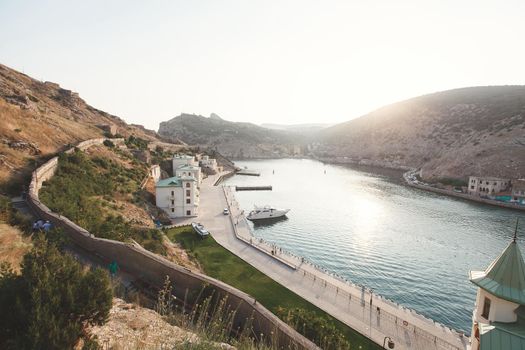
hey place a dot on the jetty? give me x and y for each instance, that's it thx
(253, 188)
(248, 172)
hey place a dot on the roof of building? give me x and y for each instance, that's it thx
(489, 178)
(505, 277)
(502, 336)
(187, 167)
(169, 182)
(182, 156)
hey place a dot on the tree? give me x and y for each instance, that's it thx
(50, 304)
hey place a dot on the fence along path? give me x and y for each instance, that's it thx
(361, 309)
(153, 268)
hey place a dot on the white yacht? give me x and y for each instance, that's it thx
(266, 212)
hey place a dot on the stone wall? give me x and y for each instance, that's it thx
(153, 268)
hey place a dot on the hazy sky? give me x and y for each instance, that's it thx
(262, 61)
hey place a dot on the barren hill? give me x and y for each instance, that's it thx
(236, 140)
(450, 134)
(39, 118)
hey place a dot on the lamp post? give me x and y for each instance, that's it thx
(391, 343)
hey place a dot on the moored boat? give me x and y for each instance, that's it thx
(266, 212)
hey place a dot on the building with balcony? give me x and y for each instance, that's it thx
(178, 196)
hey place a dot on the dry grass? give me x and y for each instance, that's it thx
(13, 245)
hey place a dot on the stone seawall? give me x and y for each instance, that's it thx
(153, 268)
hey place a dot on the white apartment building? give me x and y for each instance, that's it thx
(189, 170)
(486, 186)
(178, 196)
(183, 159)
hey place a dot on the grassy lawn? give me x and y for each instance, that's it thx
(219, 263)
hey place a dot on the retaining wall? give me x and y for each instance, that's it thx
(153, 268)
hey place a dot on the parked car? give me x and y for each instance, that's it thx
(226, 211)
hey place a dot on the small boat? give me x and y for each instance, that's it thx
(266, 212)
(199, 229)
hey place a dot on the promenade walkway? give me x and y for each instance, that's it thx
(367, 313)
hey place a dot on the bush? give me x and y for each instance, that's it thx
(49, 305)
(108, 143)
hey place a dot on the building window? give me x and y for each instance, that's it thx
(471, 187)
(172, 210)
(172, 202)
(188, 192)
(486, 308)
(188, 201)
(172, 193)
(188, 212)
(188, 184)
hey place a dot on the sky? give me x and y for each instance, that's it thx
(287, 62)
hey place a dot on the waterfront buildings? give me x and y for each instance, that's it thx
(178, 196)
(487, 186)
(499, 314)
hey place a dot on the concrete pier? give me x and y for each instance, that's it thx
(368, 313)
(247, 172)
(253, 188)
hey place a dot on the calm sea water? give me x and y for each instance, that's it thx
(411, 246)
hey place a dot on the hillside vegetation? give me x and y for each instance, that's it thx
(90, 190)
(41, 118)
(450, 134)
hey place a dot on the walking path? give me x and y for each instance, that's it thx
(367, 313)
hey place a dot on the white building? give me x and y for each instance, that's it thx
(498, 320)
(189, 170)
(154, 172)
(486, 186)
(183, 159)
(209, 163)
(178, 196)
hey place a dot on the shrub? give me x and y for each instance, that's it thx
(49, 305)
(108, 143)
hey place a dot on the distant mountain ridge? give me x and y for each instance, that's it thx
(232, 139)
(450, 134)
(454, 133)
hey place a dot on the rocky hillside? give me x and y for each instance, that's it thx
(235, 140)
(40, 118)
(450, 134)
